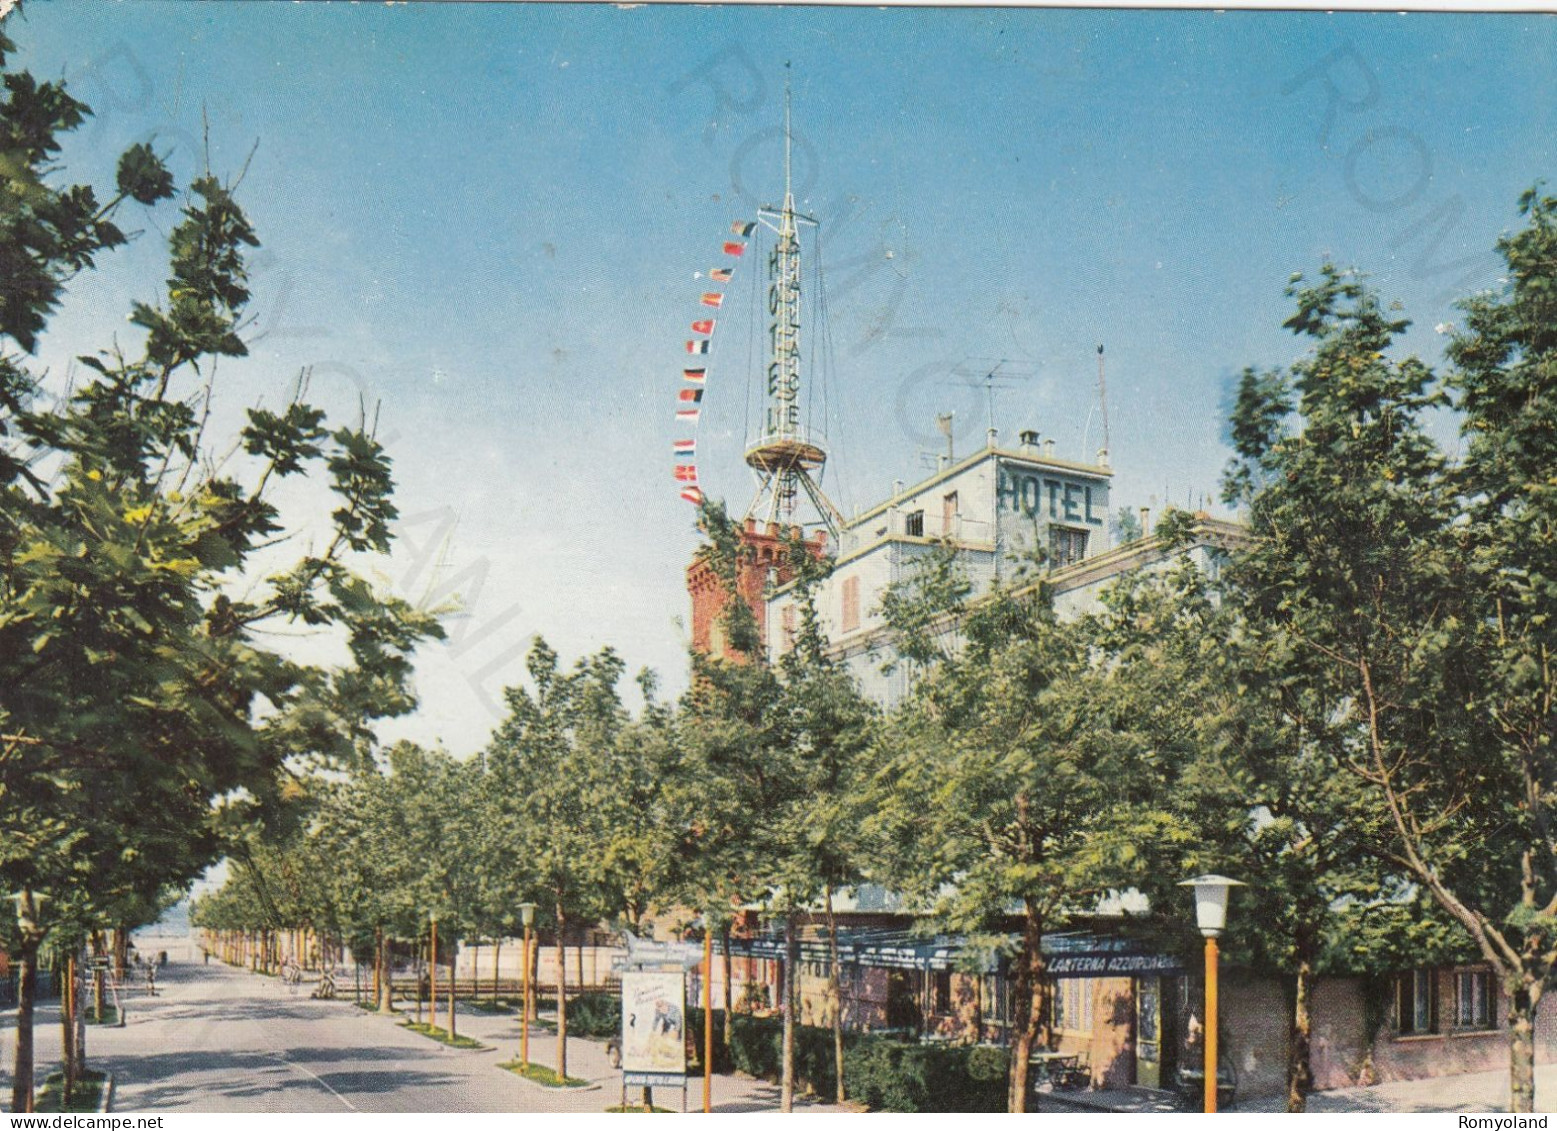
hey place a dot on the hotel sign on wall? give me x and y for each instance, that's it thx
(1044, 495)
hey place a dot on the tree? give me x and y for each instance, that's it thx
(1400, 582)
(1260, 777)
(768, 783)
(1012, 781)
(729, 779)
(818, 846)
(1505, 892)
(137, 692)
(550, 763)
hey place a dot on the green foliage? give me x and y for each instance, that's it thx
(457, 1041)
(1125, 526)
(1026, 776)
(86, 1096)
(594, 1015)
(883, 1073)
(1413, 599)
(926, 608)
(542, 1075)
(147, 718)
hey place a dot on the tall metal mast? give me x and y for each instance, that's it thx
(785, 458)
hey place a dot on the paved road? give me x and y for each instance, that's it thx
(218, 1039)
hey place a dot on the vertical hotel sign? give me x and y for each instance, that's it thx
(654, 1042)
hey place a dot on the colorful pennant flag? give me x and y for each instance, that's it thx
(691, 396)
(743, 227)
(720, 274)
(688, 413)
(731, 247)
(703, 326)
(685, 449)
(697, 347)
(693, 495)
(686, 473)
(695, 376)
(714, 298)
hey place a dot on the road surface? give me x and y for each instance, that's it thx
(219, 1039)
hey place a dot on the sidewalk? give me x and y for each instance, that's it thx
(587, 1060)
(1472, 1092)
(219, 1039)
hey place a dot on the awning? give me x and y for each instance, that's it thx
(1073, 954)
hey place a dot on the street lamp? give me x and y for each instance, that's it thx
(1211, 894)
(527, 917)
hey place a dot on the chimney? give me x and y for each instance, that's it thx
(1146, 521)
(993, 433)
(1048, 449)
(1029, 441)
(1102, 457)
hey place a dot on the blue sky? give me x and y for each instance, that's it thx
(490, 219)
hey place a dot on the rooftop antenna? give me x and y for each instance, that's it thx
(1102, 396)
(994, 378)
(943, 421)
(785, 457)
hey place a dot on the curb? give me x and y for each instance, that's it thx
(406, 1025)
(564, 1090)
(106, 1103)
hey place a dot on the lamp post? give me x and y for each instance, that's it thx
(28, 904)
(1211, 894)
(527, 917)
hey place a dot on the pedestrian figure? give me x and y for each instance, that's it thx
(151, 979)
(326, 990)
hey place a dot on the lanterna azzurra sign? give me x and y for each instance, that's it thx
(1047, 496)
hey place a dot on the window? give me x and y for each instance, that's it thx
(788, 625)
(995, 999)
(1473, 998)
(1066, 546)
(943, 998)
(1416, 1003)
(1072, 1004)
(949, 514)
(913, 524)
(851, 604)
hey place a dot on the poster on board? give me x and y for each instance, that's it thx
(654, 1027)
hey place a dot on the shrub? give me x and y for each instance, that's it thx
(594, 1015)
(722, 1058)
(883, 1073)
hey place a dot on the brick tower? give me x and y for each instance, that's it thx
(763, 563)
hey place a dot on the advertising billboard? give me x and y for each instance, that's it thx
(654, 1041)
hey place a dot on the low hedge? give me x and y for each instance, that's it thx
(594, 1015)
(884, 1073)
(890, 1075)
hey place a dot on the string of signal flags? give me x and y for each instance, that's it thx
(694, 378)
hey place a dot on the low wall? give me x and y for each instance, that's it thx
(1256, 1013)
